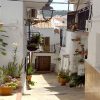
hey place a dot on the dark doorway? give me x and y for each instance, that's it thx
(43, 63)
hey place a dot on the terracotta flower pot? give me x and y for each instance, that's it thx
(63, 81)
(5, 90)
(28, 77)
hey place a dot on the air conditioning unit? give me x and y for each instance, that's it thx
(32, 13)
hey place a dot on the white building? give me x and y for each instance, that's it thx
(13, 16)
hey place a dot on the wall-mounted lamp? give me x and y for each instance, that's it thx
(47, 12)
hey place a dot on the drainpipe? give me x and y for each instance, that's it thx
(23, 75)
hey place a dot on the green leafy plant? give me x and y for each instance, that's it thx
(35, 40)
(73, 80)
(12, 66)
(3, 74)
(12, 69)
(14, 85)
(64, 74)
(20, 66)
(76, 80)
(31, 83)
(30, 70)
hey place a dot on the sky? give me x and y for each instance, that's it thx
(61, 6)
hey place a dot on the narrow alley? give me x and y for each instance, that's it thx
(47, 88)
(45, 44)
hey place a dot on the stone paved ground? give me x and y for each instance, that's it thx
(47, 88)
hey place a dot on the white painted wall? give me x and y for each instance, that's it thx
(70, 50)
(11, 14)
(82, 4)
(96, 6)
(54, 39)
(49, 32)
(94, 37)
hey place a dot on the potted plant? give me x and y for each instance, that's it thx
(63, 77)
(29, 75)
(7, 88)
(4, 89)
(33, 43)
(7, 83)
(14, 68)
(73, 79)
(76, 80)
(32, 46)
(19, 69)
(29, 72)
(35, 38)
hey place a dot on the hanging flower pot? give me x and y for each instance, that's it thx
(33, 42)
(32, 47)
(35, 38)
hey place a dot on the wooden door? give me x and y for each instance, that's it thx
(43, 63)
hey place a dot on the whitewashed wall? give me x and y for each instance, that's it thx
(83, 3)
(94, 37)
(49, 32)
(70, 50)
(11, 14)
(54, 39)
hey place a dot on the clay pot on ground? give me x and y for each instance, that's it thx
(5, 90)
(63, 81)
